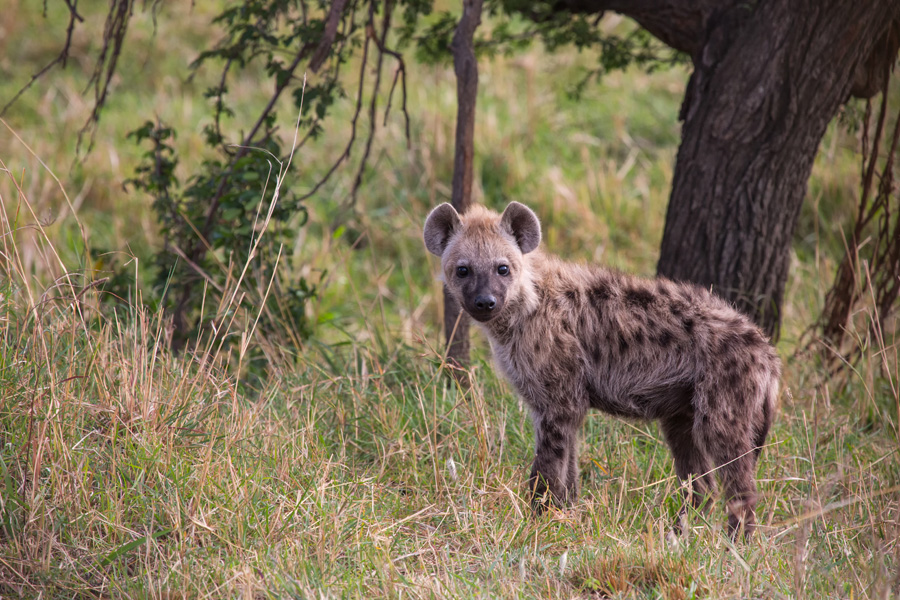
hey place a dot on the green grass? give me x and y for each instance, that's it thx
(129, 472)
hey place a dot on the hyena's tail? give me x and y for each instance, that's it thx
(769, 404)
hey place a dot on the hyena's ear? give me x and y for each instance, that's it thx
(523, 224)
(439, 226)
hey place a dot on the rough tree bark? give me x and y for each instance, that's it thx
(768, 77)
(765, 86)
(456, 322)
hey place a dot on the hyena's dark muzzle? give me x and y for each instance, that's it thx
(481, 300)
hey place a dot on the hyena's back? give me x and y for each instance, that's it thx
(571, 337)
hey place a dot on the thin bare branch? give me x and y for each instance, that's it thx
(399, 73)
(373, 104)
(62, 58)
(347, 149)
(327, 41)
(882, 246)
(114, 31)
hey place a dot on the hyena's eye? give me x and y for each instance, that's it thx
(503, 270)
(462, 271)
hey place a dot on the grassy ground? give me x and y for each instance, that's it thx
(356, 469)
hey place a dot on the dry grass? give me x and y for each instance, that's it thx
(356, 469)
(128, 471)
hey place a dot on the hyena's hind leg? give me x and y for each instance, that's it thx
(737, 470)
(554, 473)
(729, 437)
(739, 461)
(691, 463)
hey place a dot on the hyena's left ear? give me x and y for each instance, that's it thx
(523, 224)
(439, 226)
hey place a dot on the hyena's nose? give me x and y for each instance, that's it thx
(485, 302)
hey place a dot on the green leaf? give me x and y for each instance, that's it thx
(128, 547)
(232, 214)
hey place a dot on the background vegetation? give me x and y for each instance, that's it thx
(349, 465)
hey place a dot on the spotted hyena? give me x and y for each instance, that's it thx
(571, 337)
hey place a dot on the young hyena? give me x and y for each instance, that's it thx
(572, 337)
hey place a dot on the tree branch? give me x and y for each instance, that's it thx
(680, 24)
(114, 31)
(62, 57)
(331, 25)
(683, 25)
(872, 74)
(346, 153)
(373, 104)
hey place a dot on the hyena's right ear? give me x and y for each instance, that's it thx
(523, 224)
(439, 226)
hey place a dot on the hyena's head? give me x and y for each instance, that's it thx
(483, 254)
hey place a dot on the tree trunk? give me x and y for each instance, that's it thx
(767, 81)
(456, 322)
(768, 77)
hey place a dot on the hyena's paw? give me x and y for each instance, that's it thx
(539, 494)
(543, 496)
(741, 519)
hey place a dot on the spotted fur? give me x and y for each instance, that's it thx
(571, 337)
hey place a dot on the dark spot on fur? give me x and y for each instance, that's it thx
(573, 296)
(623, 344)
(550, 432)
(677, 308)
(750, 337)
(732, 380)
(639, 338)
(598, 295)
(596, 354)
(664, 339)
(688, 324)
(639, 297)
(728, 343)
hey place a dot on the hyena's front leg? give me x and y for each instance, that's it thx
(554, 474)
(572, 478)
